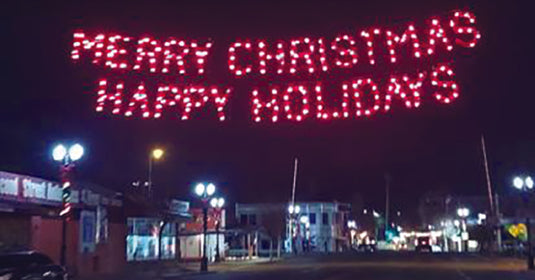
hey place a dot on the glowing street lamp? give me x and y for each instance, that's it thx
(217, 203)
(525, 185)
(463, 213)
(67, 157)
(293, 211)
(156, 154)
(204, 192)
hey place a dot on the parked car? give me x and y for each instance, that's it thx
(29, 266)
(423, 244)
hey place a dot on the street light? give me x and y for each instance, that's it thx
(156, 154)
(204, 193)
(66, 157)
(293, 211)
(463, 213)
(217, 203)
(525, 185)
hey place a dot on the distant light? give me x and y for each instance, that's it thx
(376, 215)
(210, 189)
(220, 202)
(291, 209)
(518, 183)
(297, 209)
(59, 152)
(76, 152)
(463, 212)
(304, 219)
(157, 153)
(199, 189)
(456, 223)
(213, 202)
(365, 211)
(529, 182)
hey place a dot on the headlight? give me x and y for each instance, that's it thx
(6, 276)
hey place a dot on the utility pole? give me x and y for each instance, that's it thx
(494, 211)
(290, 219)
(387, 206)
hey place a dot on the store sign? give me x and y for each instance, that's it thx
(9, 186)
(29, 189)
(404, 66)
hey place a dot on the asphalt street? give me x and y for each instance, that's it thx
(379, 266)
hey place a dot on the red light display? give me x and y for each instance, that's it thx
(297, 70)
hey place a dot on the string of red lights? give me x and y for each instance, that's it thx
(361, 96)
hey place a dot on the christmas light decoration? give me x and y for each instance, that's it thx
(305, 53)
(292, 110)
(393, 40)
(292, 94)
(175, 51)
(271, 105)
(115, 98)
(264, 56)
(357, 89)
(437, 35)
(407, 89)
(345, 46)
(369, 38)
(235, 68)
(473, 35)
(448, 89)
(198, 96)
(138, 100)
(168, 96)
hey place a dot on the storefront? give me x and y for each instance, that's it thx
(152, 229)
(29, 214)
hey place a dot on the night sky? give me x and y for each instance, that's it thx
(47, 98)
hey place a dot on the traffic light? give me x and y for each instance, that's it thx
(66, 198)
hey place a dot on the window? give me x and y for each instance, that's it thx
(325, 218)
(243, 219)
(252, 219)
(312, 218)
(143, 241)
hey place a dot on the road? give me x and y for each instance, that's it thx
(380, 266)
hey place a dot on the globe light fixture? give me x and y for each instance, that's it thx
(529, 182)
(291, 209)
(199, 189)
(157, 153)
(76, 152)
(210, 189)
(59, 152)
(518, 183)
(463, 212)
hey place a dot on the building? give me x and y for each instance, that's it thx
(153, 228)
(192, 237)
(316, 226)
(29, 214)
(439, 211)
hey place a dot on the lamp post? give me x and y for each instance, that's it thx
(66, 157)
(293, 211)
(156, 154)
(463, 213)
(525, 185)
(204, 193)
(217, 203)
